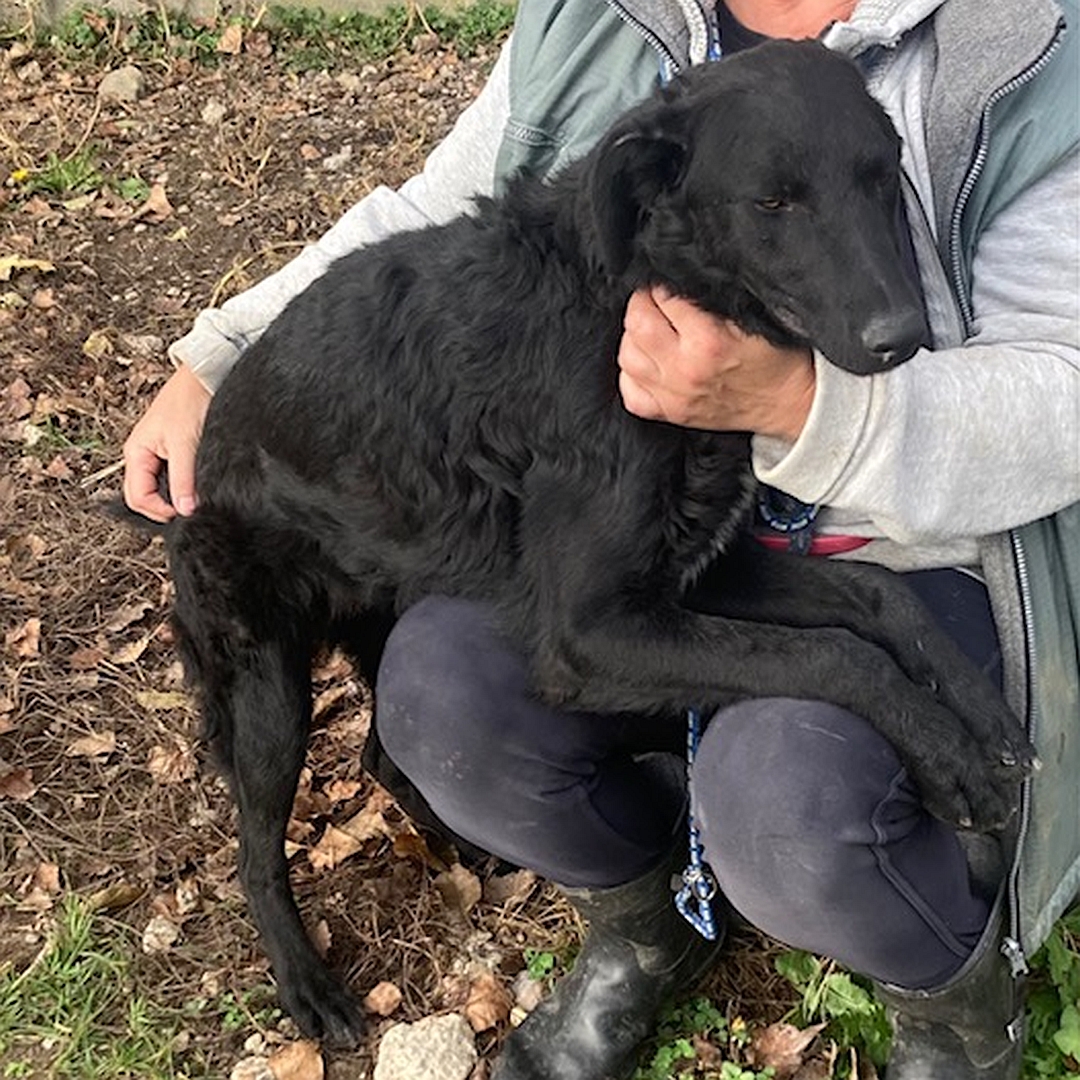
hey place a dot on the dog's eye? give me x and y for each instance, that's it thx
(772, 205)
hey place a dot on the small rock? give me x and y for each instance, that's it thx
(213, 113)
(252, 1068)
(528, 992)
(125, 84)
(338, 160)
(30, 73)
(435, 1048)
(160, 935)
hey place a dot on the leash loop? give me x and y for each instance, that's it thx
(694, 899)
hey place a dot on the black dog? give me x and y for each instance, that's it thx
(440, 414)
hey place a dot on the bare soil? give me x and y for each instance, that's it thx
(102, 789)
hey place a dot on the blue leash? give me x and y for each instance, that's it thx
(694, 899)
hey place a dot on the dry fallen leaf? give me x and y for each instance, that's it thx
(96, 744)
(17, 784)
(459, 888)
(488, 1003)
(342, 790)
(25, 641)
(97, 345)
(321, 937)
(334, 848)
(133, 650)
(510, 888)
(231, 40)
(157, 207)
(40, 890)
(383, 999)
(86, 659)
(171, 764)
(8, 263)
(15, 402)
(160, 700)
(187, 896)
(59, 469)
(123, 617)
(115, 897)
(251, 1068)
(409, 844)
(781, 1047)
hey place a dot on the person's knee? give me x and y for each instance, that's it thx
(438, 683)
(778, 775)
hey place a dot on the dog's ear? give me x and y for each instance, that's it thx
(630, 170)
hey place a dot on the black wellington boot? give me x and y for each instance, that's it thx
(637, 951)
(971, 1028)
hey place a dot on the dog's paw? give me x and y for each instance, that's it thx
(995, 728)
(973, 794)
(323, 1009)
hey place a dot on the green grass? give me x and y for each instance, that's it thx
(74, 1014)
(304, 39)
(1053, 1010)
(672, 1051)
(63, 177)
(845, 1004)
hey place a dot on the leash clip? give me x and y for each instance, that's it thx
(694, 899)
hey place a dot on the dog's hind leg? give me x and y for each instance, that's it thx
(249, 653)
(270, 701)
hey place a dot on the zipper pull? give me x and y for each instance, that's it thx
(1013, 951)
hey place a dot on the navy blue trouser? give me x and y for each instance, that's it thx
(809, 821)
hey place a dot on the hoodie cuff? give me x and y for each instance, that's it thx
(207, 351)
(811, 468)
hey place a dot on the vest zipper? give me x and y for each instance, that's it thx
(977, 165)
(667, 57)
(1012, 946)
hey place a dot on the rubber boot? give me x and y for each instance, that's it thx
(637, 951)
(971, 1028)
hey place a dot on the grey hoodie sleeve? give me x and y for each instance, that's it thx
(963, 442)
(460, 168)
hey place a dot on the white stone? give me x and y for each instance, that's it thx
(435, 1048)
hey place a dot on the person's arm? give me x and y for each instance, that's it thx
(167, 435)
(957, 442)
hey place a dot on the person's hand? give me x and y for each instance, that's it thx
(680, 364)
(166, 436)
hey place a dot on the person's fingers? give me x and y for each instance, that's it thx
(638, 399)
(141, 468)
(646, 325)
(182, 480)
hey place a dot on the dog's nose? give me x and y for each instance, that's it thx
(894, 337)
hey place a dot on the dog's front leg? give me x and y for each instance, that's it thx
(612, 636)
(269, 699)
(752, 583)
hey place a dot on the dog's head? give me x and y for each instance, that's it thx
(767, 189)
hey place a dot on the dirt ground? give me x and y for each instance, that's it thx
(102, 792)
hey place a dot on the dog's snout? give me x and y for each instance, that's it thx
(895, 337)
